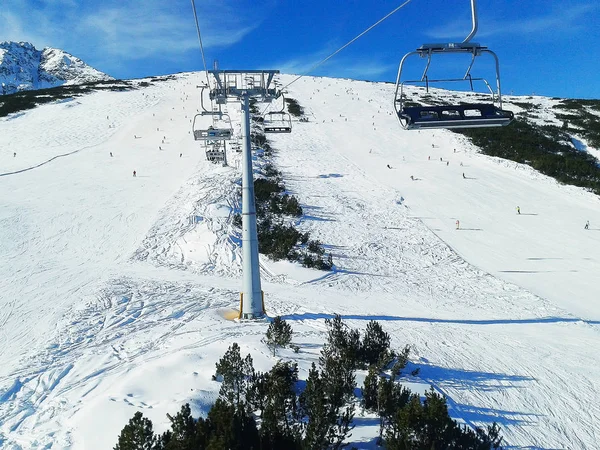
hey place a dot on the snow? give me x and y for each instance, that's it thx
(114, 287)
(23, 67)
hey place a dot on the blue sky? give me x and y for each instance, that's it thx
(546, 47)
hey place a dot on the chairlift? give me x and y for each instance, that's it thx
(278, 121)
(458, 115)
(211, 133)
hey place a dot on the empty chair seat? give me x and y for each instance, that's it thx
(454, 116)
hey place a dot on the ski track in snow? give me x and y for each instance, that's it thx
(112, 285)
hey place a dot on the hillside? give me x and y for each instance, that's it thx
(113, 287)
(23, 67)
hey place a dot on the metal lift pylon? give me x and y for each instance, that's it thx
(243, 85)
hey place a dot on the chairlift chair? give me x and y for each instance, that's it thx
(451, 116)
(211, 133)
(278, 121)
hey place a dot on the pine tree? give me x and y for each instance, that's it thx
(236, 374)
(231, 429)
(137, 434)
(279, 334)
(375, 343)
(341, 343)
(317, 410)
(369, 391)
(186, 433)
(280, 426)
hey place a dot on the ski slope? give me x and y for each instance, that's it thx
(113, 287)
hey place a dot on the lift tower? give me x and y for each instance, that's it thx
(243, 85)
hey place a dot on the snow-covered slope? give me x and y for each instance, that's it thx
(112, 287)
(22, 67)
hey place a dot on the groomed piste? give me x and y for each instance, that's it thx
(113, 287)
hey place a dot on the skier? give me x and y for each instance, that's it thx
(14, 154)
(429, 158)
(587, 225)
(180, 155)
(457, 224)
(518, 210)
(412, 178)
(389, 167)
(447, 163)
(111, 154)
(464, 175)
(134, 173)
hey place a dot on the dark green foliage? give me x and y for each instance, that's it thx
(580, 119)
(258, 139)
(320, 417)
(22, 101)
(400, 361)
(542, 149)
(273, 205)
(280, 426)
(339, 358)
(271, 172)
(231, 428)
(279, 334)
(525, 106)
(317, 262)
(342, 342)
(370, 389)
(294, 107)
(316, 247)
(137, 435)
(427, 425)
(264, 189)
(391, 396)
(579, 103)
(237, 220)
(375, 343)
(186, 433)
(327, 424)
(278, 240)
(317, 410)
(236, 374)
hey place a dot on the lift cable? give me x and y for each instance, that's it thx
(323, 61)
(200, 40)
(348, 43)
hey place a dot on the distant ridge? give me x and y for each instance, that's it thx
(23, 67)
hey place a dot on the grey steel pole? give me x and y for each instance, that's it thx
(252, 305)
(475, 24)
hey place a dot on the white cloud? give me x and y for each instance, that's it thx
(126, 29)
(341, 65)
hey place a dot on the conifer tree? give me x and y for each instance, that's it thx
(280, 424)
(369, 391)
(375, 343)
(317, 410)
(279, 334)
(236, 374)
(186, 432)
(137, 434)
(231, 428)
